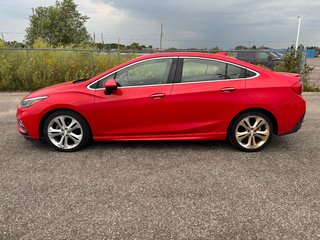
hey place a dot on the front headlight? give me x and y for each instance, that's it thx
(30, 101)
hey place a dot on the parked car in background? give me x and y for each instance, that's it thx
(258, 57)
(167, 96)
(278, 54)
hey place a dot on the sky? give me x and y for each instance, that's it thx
(186, 23)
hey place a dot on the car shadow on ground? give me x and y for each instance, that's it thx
(41, 145)
(276, 144)
(161, 145)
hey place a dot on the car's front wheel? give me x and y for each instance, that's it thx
(66, 131)
(251, 132)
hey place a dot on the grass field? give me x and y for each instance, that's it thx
(34, 69)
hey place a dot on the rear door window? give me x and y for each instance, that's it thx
(197, 70)
(201, 70)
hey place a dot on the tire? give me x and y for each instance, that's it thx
(251, 132)
(66, 131)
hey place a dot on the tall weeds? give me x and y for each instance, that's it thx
(31, 69)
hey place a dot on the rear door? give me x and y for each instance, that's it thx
(207, 94)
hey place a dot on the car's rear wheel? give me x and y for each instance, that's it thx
(66, 131)
(251, 132)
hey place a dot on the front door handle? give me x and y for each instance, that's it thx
(227, 89)
(157, 95)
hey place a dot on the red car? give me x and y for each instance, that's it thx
(169, 96)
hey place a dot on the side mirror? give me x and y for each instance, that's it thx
(110, 86)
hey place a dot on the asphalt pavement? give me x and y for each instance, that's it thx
(160, 190)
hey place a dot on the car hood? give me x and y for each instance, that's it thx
(57, 88)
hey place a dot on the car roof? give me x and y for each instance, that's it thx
(218, 56)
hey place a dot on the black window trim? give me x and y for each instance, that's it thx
(180, 68)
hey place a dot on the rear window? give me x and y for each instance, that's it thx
(250, 74)
(235, 72)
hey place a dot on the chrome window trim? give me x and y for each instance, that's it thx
(167, 84)
(132, 64)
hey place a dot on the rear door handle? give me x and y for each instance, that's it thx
(227, 89)
(157, 95)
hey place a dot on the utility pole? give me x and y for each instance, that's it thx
(161, 36)
(118, 48)
(2, 37)
(94, 38)
(298, 32)
(102, 38)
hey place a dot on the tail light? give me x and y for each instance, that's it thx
(297, 87)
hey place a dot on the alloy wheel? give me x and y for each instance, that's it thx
(65, 132)
(252, 132)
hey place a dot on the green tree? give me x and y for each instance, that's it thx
(60, 24)
(15, 44)
(263, 47)
(291, 62)
(3, 44)
(215, 49)
(240, 47)
(135, 46)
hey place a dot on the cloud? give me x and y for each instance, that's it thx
(191, 23)
(225, 22)
(101, 13)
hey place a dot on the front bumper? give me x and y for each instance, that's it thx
(28, 121)
(21, 128)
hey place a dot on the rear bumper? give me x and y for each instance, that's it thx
(291, 115)
(296, 127)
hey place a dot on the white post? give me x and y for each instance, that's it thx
(298, 33)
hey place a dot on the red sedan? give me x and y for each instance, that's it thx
(172, 96)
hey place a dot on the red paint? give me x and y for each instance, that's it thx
(172, 111)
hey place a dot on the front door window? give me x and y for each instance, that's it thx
(152, 72)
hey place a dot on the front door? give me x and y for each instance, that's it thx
(140, 105)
